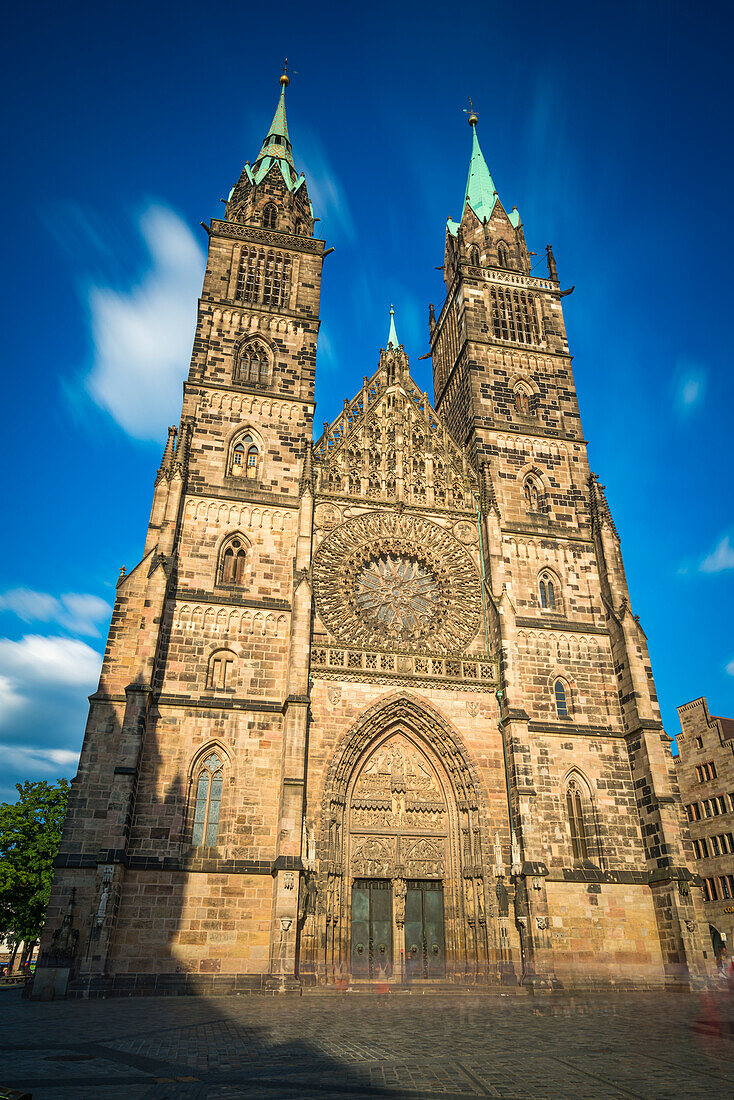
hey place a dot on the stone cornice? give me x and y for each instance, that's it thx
(246, 498)
(218, 596)
(561, 625)
(256, 235)
(263, 392)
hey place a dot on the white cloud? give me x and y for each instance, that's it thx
(36, 660)
(44, 684)
(730, 668)
(142, 338)
(75, 611)
(689, 387)
(721, 558)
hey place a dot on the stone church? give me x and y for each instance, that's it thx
(374, 707)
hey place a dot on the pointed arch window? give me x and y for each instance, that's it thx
(576, 821)
(234, 558)
(245, 458)
(474, 256)
(533, 493)
(208, 800)
(503, 255)
(548, 590)
(270, 216)
(560, 696)
(253, 364)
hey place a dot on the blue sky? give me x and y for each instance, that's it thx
(607, 125)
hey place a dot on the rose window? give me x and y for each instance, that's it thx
(397, 593)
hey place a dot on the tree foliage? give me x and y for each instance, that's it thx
(30, 834)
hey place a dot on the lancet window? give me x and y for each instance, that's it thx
(253, 364)
(232, 562)
(549, 593)
(503, 256)
(560, 695)
(577, 820)
(533, 493)
(270, 216)
(208, 801)
(514, 316)
(263, 277)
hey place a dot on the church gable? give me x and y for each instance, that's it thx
(390, 445)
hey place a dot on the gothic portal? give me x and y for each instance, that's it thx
(375, 707)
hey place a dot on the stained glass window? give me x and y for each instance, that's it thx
(208, 799)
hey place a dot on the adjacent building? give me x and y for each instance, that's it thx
(374, 706)
(705, 767)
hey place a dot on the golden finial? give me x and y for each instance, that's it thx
(473, 120)
(285, 79)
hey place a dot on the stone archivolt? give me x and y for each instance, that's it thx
(396, 581)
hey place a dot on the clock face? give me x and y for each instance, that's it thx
(388, 580)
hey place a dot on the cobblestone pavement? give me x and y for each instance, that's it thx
(361, 1045)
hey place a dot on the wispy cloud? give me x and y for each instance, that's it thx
(689, 387)
(37, 660)
(720, 558)
(730, 668)
(325, 190)
(142, 337)
(80, 613)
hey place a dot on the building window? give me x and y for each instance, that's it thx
(709, 889)
(547, 587)
(263, 277)
(575, 811)
(707, 771)
(208, 799)
(533, 493)
(513, 316)
(559, 692)
(699, 742)
(502, 255)
(270, 215)
(693, 810)
(474, 256)
(221, 669)
(729, 842)
(253, 364)
(233, 563)
(245, 458)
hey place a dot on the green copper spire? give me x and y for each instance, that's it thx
(481, 193)
(277, 143)
(393, 337)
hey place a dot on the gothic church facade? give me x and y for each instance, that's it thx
(374, 707)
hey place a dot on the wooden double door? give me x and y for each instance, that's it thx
(414, 948)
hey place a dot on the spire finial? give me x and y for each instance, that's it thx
(393, 337)
(285, 79)
(472, 120)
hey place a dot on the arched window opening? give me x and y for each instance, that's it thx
(513, 316)
(474, 256)
(503, 256)
(253, 364)
(208, 800)
(547, 592)
(577, 825)
(238, 460)
(559, 692)
(533, 495)
(298, 228)
(270, 215)
(233, 563)
(221, 670)
(252, 457)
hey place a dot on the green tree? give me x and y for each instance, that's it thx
(30, 834)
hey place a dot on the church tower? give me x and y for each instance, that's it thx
(184, 822)
(593, 792)
(374, 707)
